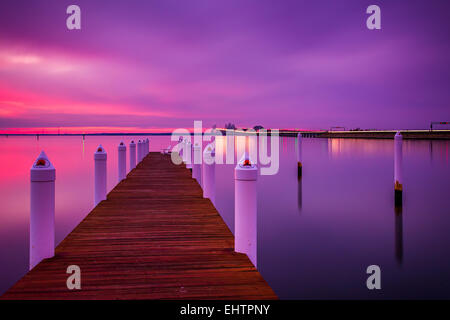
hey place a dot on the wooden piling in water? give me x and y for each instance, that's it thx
(398, 170)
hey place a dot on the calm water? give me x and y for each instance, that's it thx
(316, 236)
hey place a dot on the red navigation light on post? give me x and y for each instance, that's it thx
(41, 163)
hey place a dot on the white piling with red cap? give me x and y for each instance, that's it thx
(100, 157)
(245, 208)
(209, 173)
(197, 166)
(132, 155)
(299, 155)
(398, 174)
(42, 210)
(122, 159)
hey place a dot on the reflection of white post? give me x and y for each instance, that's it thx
(197, 166)
(398, 178)
(122, 158)
(132, 155)
(100, 175)
(299, 155)
(245, 208)
(230, 148)
(208, 174)
(42, 210)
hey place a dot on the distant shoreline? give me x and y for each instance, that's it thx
(362, 134)
(84, 134)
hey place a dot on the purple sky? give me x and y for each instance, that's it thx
(163, 64)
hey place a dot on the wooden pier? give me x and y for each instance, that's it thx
(155, 237)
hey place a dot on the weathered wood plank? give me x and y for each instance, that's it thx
(155, 237)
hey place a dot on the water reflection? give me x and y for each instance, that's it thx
(399, 235)
(431, 150)
(83, 149)
(352, 147)
(348, 211)
(300, 195)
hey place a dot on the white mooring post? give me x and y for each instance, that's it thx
(398, 176)
(144, 147)
(139, 151)
(147, 144)
(100, 175)
(42, 210)
(245, 208)
(209, 173)
(122, 158)
(197, 166)
(132, 155)
(299, 155)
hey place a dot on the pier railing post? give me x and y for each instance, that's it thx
(245, 208)
(100, 157)
(42, 210)
(209, 173)
(197, 166)
(147, 146)
(398, 175)
(132, 155)
(299, 155)
(122, 159)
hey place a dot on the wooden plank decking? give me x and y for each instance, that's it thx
(155, 237)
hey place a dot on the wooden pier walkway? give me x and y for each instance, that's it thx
(155, 237)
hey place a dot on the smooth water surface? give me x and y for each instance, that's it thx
(316, 236)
